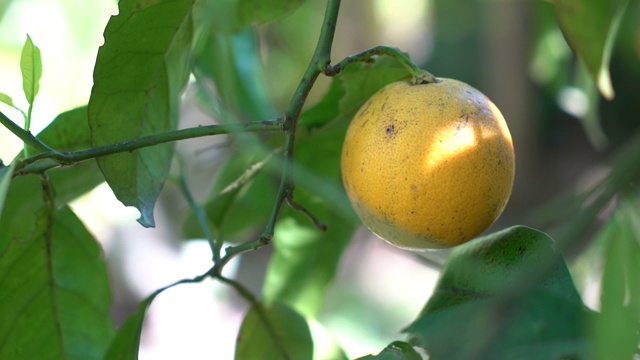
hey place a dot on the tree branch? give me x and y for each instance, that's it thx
(71, 157)
(320, 60)
(24, 135)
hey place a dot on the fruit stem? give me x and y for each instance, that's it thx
(419, 76)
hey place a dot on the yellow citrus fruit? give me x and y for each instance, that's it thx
(428, 166)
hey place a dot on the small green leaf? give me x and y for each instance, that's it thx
(397, 350)
(54, 280)
(274, 332)
(508, 295)
(31, 67)
(5, 179)
(126, 343)
(139, 74)
(590, 27)
(6, 99)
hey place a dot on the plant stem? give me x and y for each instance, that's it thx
(320, 60)
(72, 157)
(24, 135)
(198, 211)
(365, 56)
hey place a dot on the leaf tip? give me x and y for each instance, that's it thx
(604, 84)
(146, 216)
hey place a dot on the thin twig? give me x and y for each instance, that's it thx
(365, 56)
(298, 207)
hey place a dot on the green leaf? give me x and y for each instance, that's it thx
(508, 295)
(5, 179)
(265, 11)
(397, 350)
(233, 62)
(68, 131)
(327, 109)
(31, 67)
(6, 99)
(615, 332)
(590, 27)
(126, 343)
(55, 281)
(273, 332)
(243, 197)
(305, 258)
(350, 89)
(139, 74)
(230, 16)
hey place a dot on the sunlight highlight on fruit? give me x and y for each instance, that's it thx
(428, 166)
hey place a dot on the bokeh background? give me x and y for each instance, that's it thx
(512, 50)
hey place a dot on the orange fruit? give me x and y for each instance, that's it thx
(428, 166)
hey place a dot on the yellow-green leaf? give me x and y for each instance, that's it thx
(31, 66)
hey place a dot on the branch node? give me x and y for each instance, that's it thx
(298, 207)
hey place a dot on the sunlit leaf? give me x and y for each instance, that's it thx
(31, 66)
(6, 99)
(139, 73)
(273, 332)
(397, 350)
(590, 27)
(507, 295)
(54, 280)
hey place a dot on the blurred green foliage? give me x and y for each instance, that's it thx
(510, 294)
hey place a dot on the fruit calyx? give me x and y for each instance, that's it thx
(424, 77)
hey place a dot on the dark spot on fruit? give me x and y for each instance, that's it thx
(414, 188)
(391, 129)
